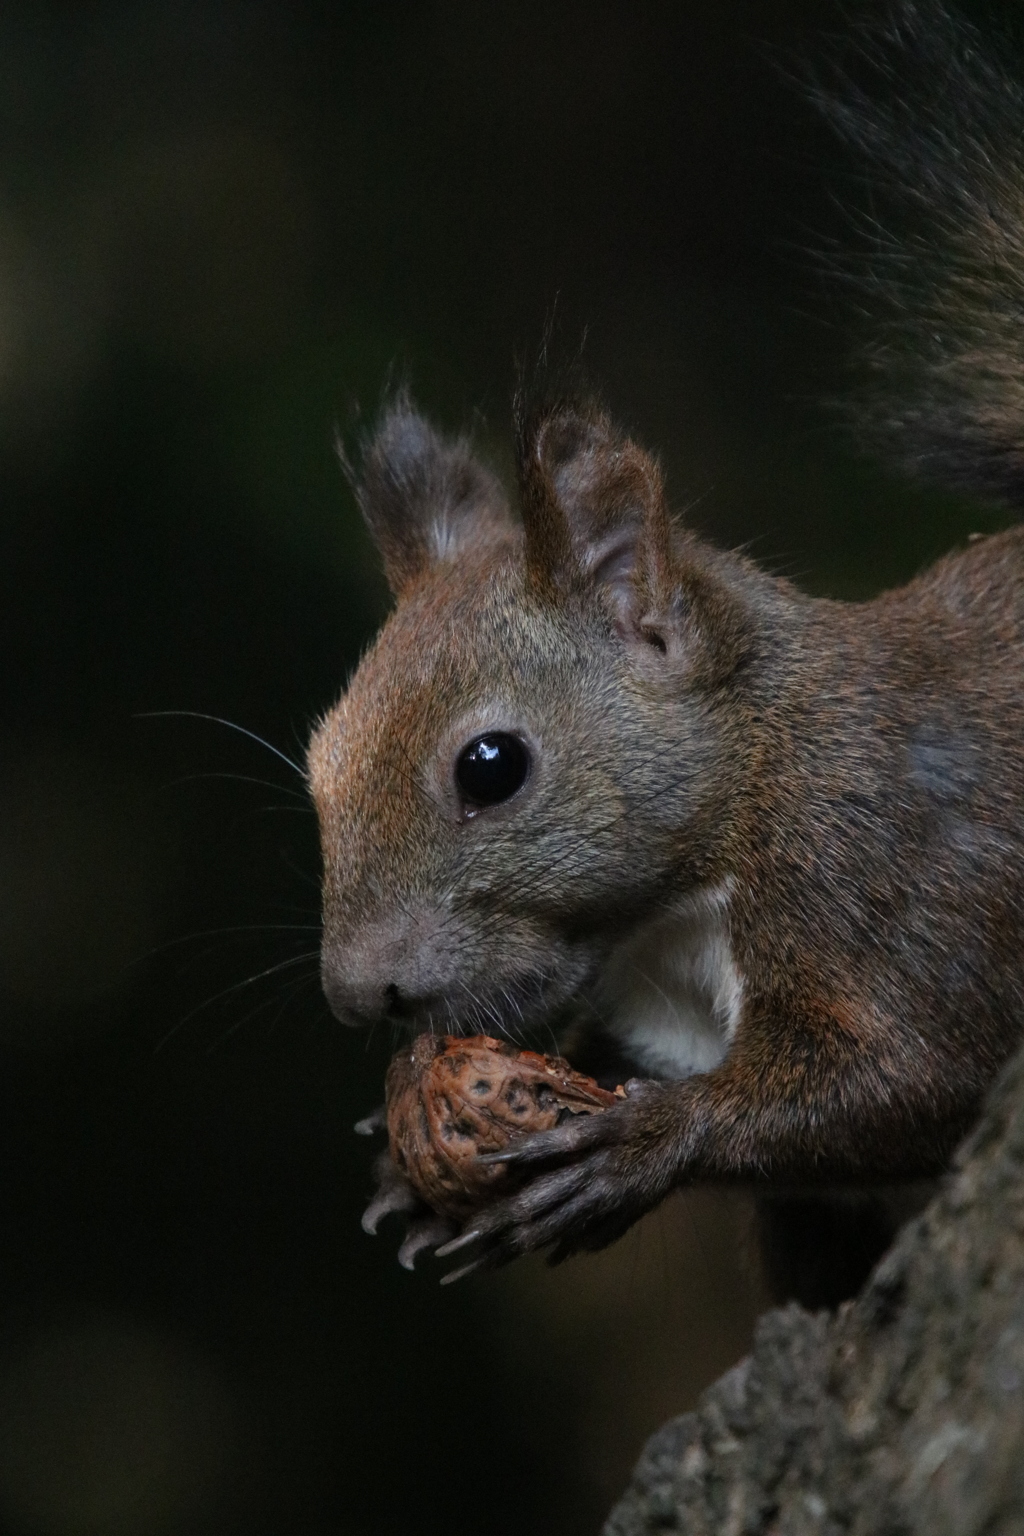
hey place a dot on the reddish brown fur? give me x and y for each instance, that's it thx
(831, 796)
(853, 773)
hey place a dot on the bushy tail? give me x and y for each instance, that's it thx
(935, 112)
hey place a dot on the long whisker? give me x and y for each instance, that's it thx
(195, 714)
(237, 986)
(238, 778)
(289, 996)
(300, 874)
(487, 1011)
(267, 1003)
(217, 933)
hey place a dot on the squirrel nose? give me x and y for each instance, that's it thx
(357, 1001)
(390, 966)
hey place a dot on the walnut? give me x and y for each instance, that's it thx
(450, 1098)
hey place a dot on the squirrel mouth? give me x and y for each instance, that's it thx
(510, 1010)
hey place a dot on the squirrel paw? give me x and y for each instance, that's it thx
(395, 1195)
(372, 1123)
(424, 1235)
(596, 1175)
(394, 1192)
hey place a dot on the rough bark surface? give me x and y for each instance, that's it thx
(902, 1413)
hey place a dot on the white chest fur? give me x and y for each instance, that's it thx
(672, 993)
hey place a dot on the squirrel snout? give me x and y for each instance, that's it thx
(360, 1003)
(388, 969)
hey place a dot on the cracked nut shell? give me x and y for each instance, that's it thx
(451, 1098)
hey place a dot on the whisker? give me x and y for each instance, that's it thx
(195, 714)
(218, 933)
(267, 1003)
(238, 778)
(288, 998)
(300, 874)
(236, 986)
(487, 1010)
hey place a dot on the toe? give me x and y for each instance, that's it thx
(423, 1235)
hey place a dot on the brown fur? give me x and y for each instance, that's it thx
(838, 787)
(853, 773)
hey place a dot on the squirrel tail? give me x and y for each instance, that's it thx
(937, 119)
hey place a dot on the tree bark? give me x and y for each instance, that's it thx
(902, 1413)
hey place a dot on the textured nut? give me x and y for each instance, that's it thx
(449, 1099)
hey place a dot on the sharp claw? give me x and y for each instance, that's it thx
(394, 1198)
(458, 1243)
(372, 1218)
(560, 1144)
(457, 1274)
(425, 1234)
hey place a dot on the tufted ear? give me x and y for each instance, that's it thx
(594, 511)
(424, 497)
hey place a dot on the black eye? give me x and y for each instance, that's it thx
(492, 768)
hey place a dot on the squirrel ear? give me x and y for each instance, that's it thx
(594, 510)
(424, 497)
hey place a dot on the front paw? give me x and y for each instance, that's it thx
(425, 1229)
(590, 1180)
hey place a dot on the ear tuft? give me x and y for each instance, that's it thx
(424, 497)
(593, 507)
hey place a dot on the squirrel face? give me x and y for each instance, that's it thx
(506, 781)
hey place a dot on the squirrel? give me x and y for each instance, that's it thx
(766, 847)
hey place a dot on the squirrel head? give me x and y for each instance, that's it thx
(528, 756)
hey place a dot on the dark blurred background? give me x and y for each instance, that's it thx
(223, 226)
